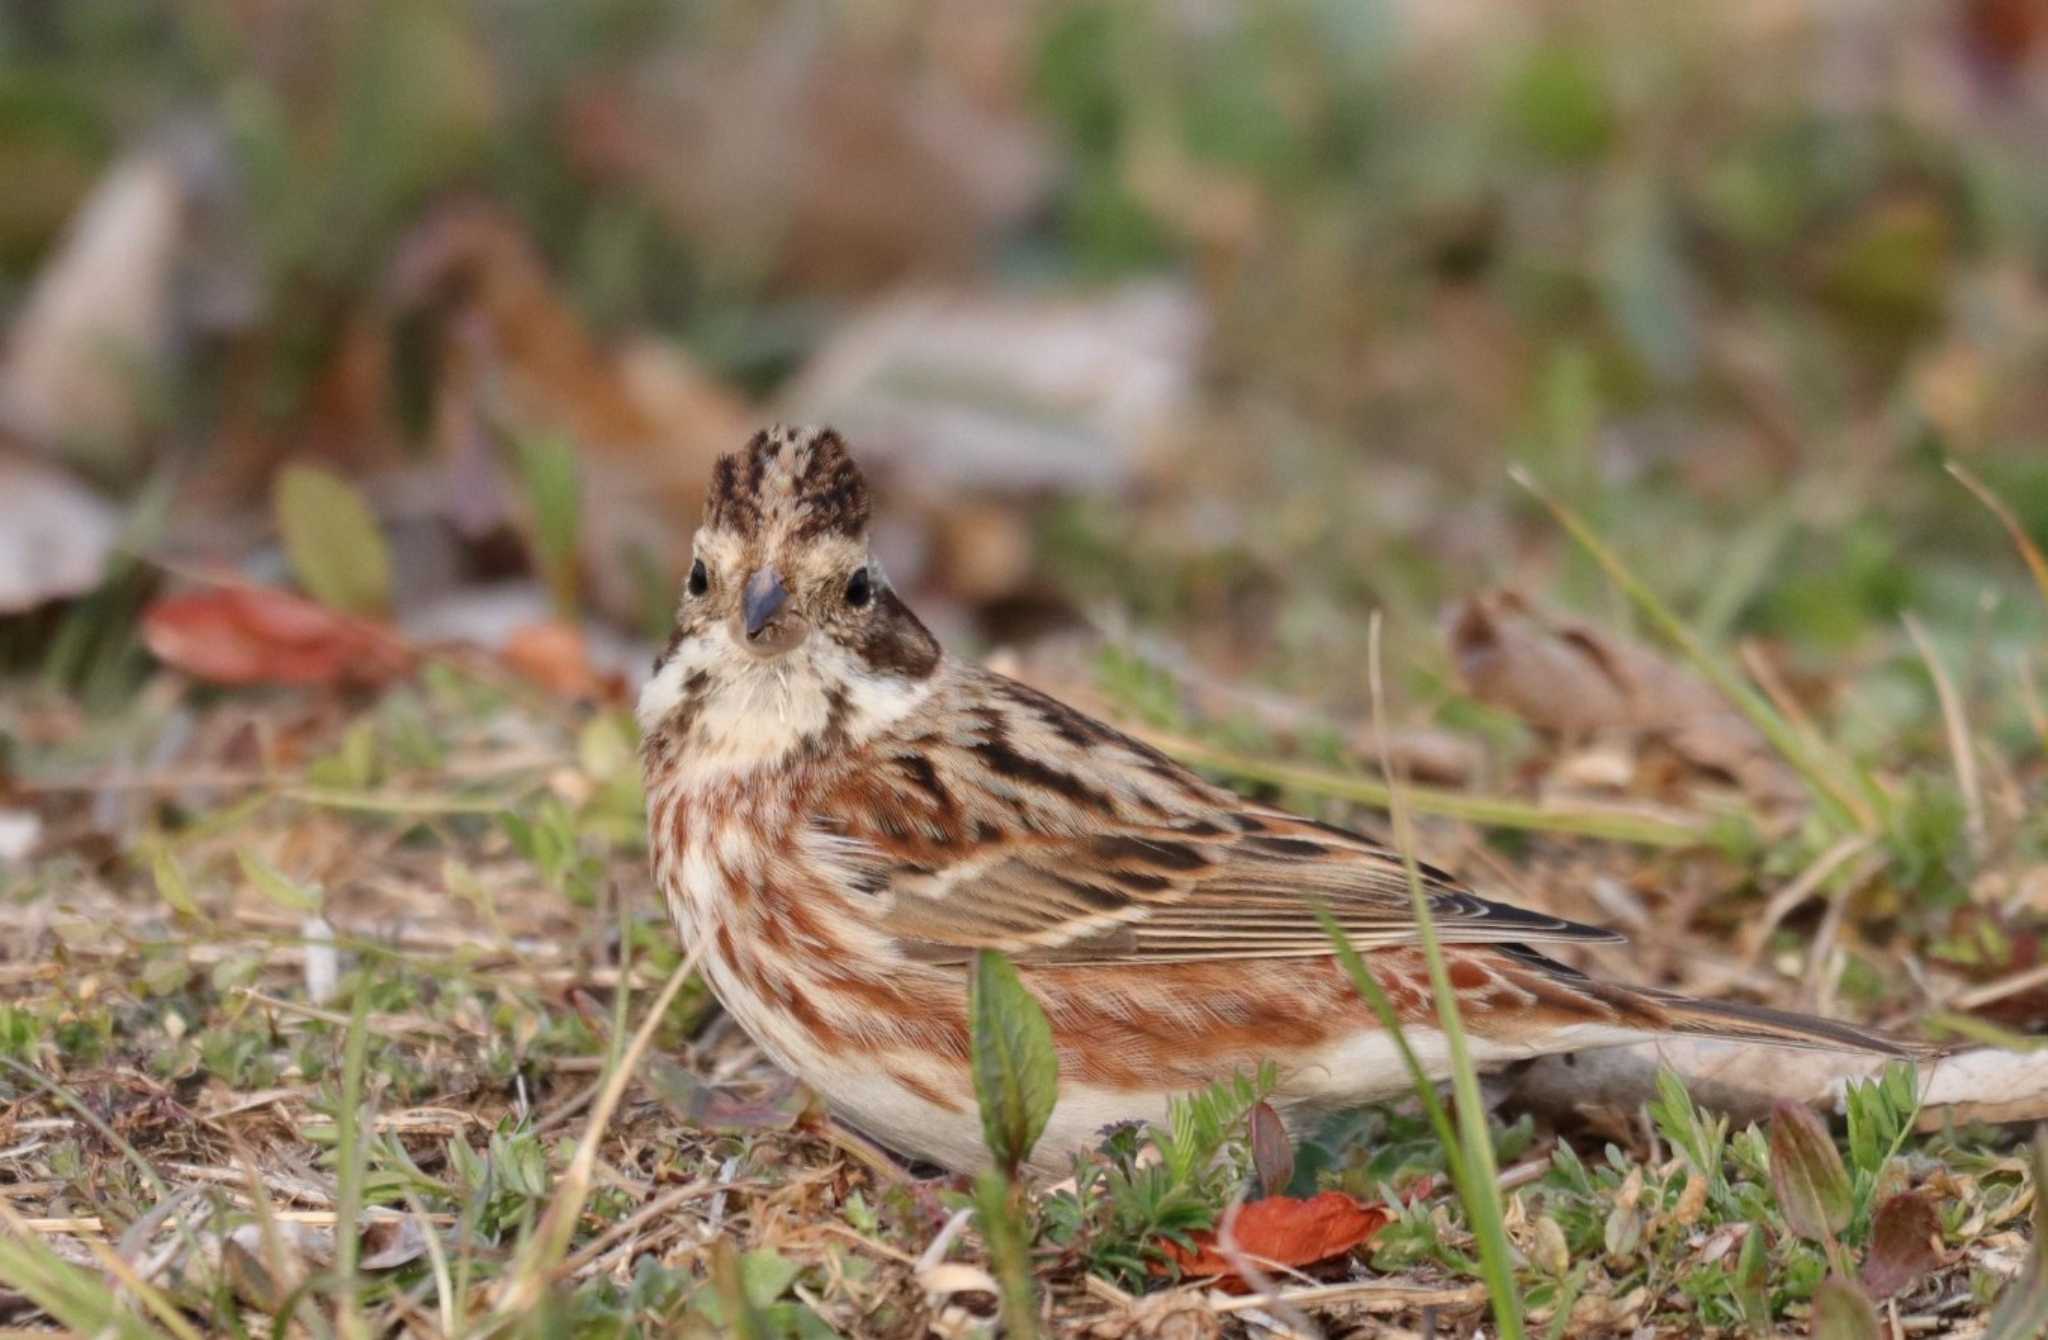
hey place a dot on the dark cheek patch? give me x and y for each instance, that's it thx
(893, 642)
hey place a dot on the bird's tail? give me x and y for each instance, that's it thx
(1760, 1023)
(1651, 1010)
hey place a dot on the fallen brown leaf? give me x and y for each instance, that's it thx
(261, 635)
(1905, 1244)
(1577, 682)
(1282, 1231)
(556, 656)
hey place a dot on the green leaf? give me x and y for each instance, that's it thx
(332, 539)
(1559, 104)
(997, 1207)
(171, 885)
(606, 748)
(1016, 1070)
(1753, 1281)
(1881, 1114)
(554, 500)
(276, 885)
(1841, 1311)
(353, 765)
(1702, 1139)
(1807, 1173)
(734, 1309)
(1644, 279)
(766, 1275)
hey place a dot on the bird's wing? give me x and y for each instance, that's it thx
(1028, 827)
(1139, 895)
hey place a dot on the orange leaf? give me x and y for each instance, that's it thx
(260, 635)
(1283, 1231)
(556, 656)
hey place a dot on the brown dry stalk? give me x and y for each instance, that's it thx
(1959, 745)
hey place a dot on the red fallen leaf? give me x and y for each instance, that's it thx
(260, 635)
(1905, 1244)
(1283, 1231)
(556, 656)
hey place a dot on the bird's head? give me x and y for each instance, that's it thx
(787, 631)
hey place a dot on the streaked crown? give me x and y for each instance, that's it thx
(788, 483)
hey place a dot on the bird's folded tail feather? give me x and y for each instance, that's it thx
(1652, 1010)
(1760, 1023)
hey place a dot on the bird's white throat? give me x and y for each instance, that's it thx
(745, 713)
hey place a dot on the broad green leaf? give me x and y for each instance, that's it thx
(605, 748)
(1807, 1173)
(276, 885)
(1623, 1232)
(1753, 1280)
(1548, 1249)
(766, 1275)
(1016, 1070)
(353, 765)
(1701, 1138)
(332, 539)
(730, 1303)
(1841, 1311)
(171, 885)
(1643, 278)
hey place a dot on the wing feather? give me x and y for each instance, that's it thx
(1155, 895)
(1065, 840)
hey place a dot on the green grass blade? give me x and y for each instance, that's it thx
(348, 1149)
(2030, 553)
(1425, 1088)
(1486, 811)
(76, 1298)
(1479, 1189)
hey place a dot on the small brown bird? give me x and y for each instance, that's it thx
(842, 815)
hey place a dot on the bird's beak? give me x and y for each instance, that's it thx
(762, 600)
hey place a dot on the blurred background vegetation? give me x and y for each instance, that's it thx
(1226, 319)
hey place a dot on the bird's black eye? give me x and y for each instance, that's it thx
(858, 589)
(700, 580)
